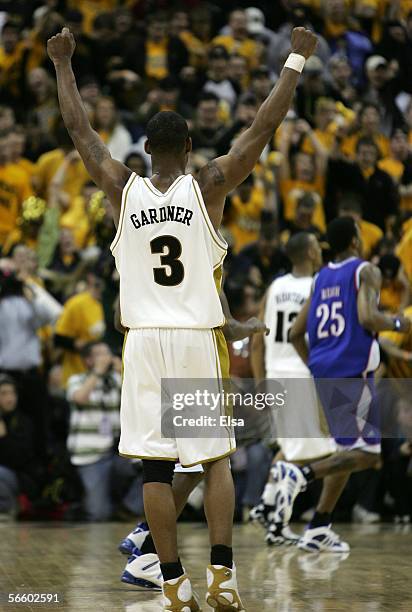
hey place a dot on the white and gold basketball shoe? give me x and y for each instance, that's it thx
(222, 592)
(178, 595)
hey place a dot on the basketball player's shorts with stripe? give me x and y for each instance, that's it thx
(352, 412)
(300, 426)
(152, 356)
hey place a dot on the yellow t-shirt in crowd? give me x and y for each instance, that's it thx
(14, 189)
(349, 144)
(156, 59)
(395, 169)
(246, 47)
(47, 166)
(398, 368)
(391, 296)
(245, 224)
(90, 9)
(326, 138)
(82, 318)
(77, 220)
(370, 234)
(10, 69)
(404, 252)
(291, 190)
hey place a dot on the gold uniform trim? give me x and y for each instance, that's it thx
(215, 236)
(122, 215)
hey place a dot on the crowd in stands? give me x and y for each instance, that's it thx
(345, 148)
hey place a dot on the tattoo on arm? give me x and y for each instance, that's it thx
(238, 154)
(97, 152)
(216, 173)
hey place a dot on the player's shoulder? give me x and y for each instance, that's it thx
(369, 274)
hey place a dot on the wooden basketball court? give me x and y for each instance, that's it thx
(81, 563)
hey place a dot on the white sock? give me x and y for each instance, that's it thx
(268, 496)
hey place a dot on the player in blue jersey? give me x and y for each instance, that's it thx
(342, 319)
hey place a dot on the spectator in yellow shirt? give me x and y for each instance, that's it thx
(238, 41)
(369, 120)
(398, 346)
(395, 291)
(303, 173)
(325, 111)
(404, 252)
(11, 61)
(17, 144)
(49, 163)
(14, 189)
(81, 321)
(246, 205)
(371, 234)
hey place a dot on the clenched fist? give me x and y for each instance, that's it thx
(304, 42)
(61, 47)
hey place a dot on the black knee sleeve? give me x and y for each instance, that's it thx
(155, 470)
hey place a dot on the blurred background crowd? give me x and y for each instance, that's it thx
(345, 148)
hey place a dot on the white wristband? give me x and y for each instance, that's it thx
(295, 62)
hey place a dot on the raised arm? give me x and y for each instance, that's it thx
(108, 174)
(223, 174)
(368, 298)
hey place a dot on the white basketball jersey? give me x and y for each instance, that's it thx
(169, 257)
(285, 298)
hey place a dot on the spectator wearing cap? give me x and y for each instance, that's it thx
(398, 164)
(238, 40)
(369, 127)
(301, 172)
(371, 234)
(81, 321)
(217, 76)
(16, 447)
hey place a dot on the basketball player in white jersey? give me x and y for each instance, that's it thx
(275, 358)
(169, 254)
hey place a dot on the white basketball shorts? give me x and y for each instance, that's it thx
(153, 354)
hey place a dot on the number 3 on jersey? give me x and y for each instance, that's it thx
(172, 271)
(332, 322)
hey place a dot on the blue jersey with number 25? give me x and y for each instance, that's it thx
(339, 347)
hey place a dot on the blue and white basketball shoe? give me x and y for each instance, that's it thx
(135, 539)
(143, 570)
(289, 481)
(322, 539)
